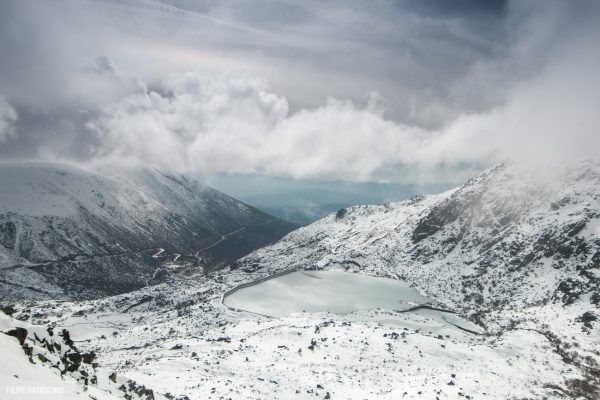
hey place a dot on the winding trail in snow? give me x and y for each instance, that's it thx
(223, 237)
(226, 236)
(216, 243)
(158, 253)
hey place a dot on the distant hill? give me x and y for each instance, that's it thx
(69, 233)
(303, 201)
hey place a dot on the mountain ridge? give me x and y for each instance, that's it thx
(505, 219)
(56, 218)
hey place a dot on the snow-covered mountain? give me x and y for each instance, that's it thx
(515, 251)
(69, 233)
(511, 237)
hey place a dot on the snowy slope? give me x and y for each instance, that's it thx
(514, 251)
(510, 237)
(53, 368)
(66, 232)
(25, 380)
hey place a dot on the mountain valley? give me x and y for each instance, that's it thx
(514, 254)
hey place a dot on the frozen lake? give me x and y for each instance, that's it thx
(339, 292)
(317, 291)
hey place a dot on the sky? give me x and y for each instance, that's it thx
(414, 91)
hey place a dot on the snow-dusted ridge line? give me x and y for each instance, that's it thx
(76, 233)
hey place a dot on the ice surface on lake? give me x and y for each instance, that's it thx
(341, 293)
(317, 291)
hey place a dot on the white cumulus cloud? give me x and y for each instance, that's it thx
(224, 123)
(8, 119)
(448, 89)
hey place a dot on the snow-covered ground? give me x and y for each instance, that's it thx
(514, 254)
(205, 351)
(20, 379)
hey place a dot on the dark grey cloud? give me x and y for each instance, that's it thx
(307, 50)
(456, 8)
(347, 48)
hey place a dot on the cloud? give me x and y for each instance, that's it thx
(203, 122)
(397, 91)
(223, 123)
(308, 50)
(8, 119)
